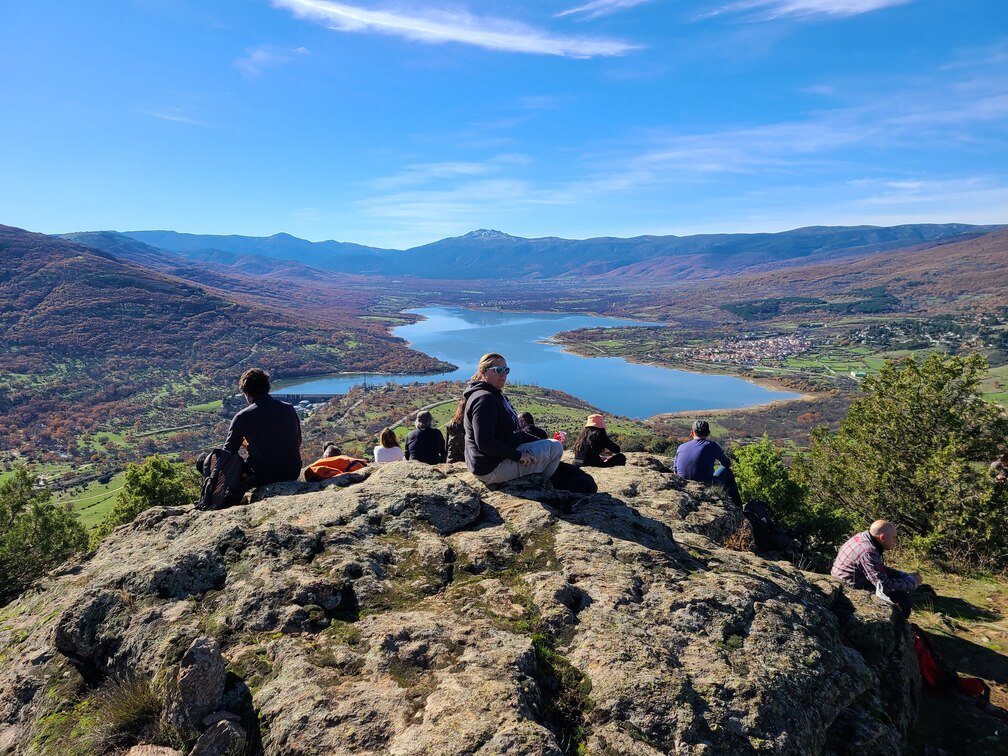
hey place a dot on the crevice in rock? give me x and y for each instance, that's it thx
(564, 690)
(237, 699)
(348, 608)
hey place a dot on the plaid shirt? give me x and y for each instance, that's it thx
(859, 564)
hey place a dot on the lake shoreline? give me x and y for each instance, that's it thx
(623, 386)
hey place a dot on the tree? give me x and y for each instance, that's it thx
(761, 472)
(156, 482)
(913, 449)
(35, 534)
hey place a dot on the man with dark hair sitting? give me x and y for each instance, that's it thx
(527, 424)
(269, 428)
(333, 463)
(694, 460)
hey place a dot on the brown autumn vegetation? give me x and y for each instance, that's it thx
(91, 341)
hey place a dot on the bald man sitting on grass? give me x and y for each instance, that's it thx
(859, 565)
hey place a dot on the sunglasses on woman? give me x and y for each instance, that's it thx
(499, 370)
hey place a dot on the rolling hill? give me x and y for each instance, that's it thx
(89, 337)
(487, 254)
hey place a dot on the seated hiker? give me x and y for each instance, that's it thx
(269, 430)
(594, 448)
(455, 434)
(859, 565)
(425, 443)
(694, 460)
(495, 450)
(999, 469)
(332, 463)
(388, 449)
(527, 424)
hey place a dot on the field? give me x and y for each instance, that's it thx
(93, 503)
(996, 385)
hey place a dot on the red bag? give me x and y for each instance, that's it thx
(939, 675)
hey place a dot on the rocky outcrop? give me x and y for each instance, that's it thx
(410, 609)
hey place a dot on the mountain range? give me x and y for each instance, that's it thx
(488, 254)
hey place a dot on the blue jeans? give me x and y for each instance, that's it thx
(726, 478)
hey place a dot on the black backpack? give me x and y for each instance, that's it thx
(766, 532)
(570, 478)
(225, 481)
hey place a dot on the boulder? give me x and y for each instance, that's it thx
(197, 686)
(413, 609)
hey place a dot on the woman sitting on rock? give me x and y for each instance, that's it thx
(388, 449)
(594, 448)
(425, 443)
(494, 448)
(455, 434)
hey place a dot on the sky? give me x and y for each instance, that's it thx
(395, 123)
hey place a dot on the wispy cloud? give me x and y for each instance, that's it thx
(911, 191)
(257, 59)
(423, 173)
(456, 207)
(440, 26)
(771, 9)
(170, 115)
(600, 8)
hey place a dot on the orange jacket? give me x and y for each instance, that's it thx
(330, 467)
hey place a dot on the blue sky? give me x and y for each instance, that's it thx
(399, 122)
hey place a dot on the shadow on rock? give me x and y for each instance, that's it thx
(611, 516)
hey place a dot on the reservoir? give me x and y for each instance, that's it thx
(461, 336)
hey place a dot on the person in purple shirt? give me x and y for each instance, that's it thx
(694, 460)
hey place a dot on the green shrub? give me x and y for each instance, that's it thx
(761, 472)
(35, 534)
(913, 449)
(156, 482)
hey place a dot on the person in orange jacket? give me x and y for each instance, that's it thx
(333, 463)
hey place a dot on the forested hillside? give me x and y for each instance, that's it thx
(92, 341)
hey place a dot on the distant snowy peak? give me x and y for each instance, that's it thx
(487, 233)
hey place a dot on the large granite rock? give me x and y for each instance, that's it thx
(412, 610)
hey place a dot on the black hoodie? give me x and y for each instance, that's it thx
(491, 429)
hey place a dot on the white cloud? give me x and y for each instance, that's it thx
(170, 115)
(598, 8)
(423, 173)
(440, 26)
(771, 9)
(265, 56)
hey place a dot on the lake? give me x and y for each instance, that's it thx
(461, 336)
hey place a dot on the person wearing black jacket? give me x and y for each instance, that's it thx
(495, 449)
(425, 444)
(527, 423)
(270, 430)
(594, 448)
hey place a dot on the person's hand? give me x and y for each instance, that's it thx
(527, 458)
(918, 579)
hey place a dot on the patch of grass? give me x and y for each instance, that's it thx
(206, 406)
(253, 666)
(123, 712)
(344, 632)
